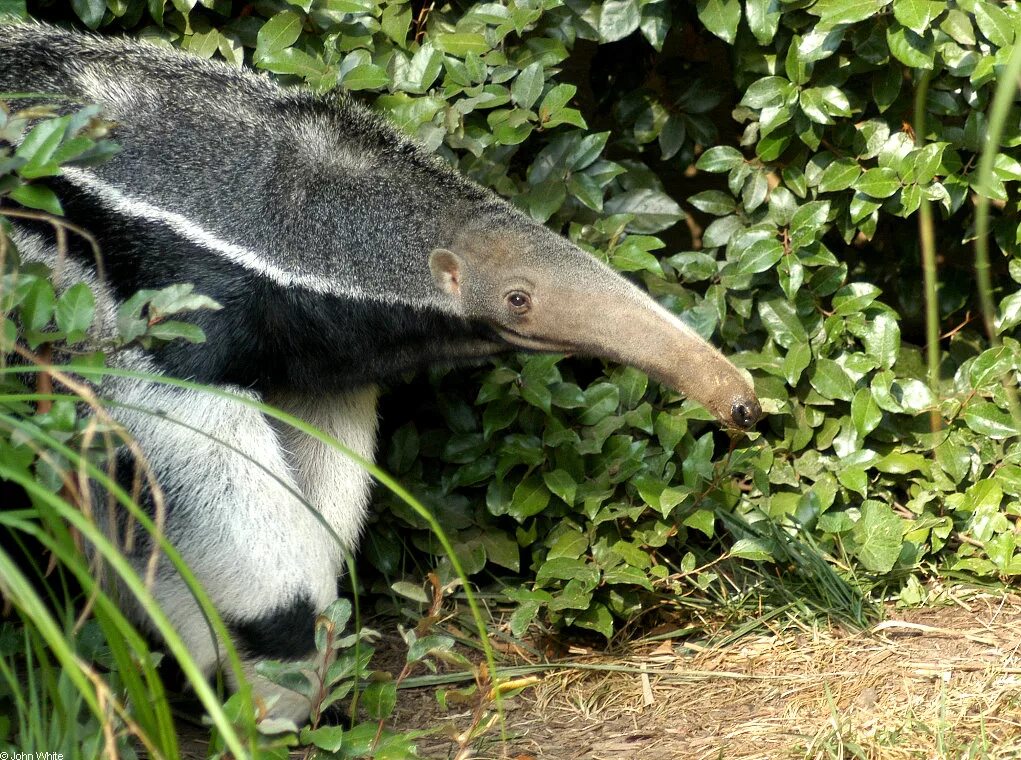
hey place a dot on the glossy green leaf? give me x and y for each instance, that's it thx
(379, 699)
(752, 549)
(796, 361)
(38, 197)
(14, 9)
(720, 158)
(596, 618)
(618, 19)
(278, 33)
(562, 484)
(988, 419)
(782, 322)
(502, 550)
(991, 365)
(958, 25)
(882, 339)
(714, 202)
(653, 210)
(38, 305)
(768, 92)
(995, 23)
(878, 183)
(329, 738)
(833, 12)
(831, 381)
(75, 309)
(720, 17)
(855, 297)
(760, 256)
(877, 536)
(528, 85)
(530, 497)
(461, 44)
(763, 17)
(701, 520)
(90, 11)
(917, 15)
(910, 48)
(865, 412)
(367, 76)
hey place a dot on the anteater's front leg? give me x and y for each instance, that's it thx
(237, 515)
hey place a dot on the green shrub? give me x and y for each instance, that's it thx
(785, 136)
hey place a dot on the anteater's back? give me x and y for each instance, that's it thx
(210, 152)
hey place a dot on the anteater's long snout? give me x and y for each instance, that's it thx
(678, 357)
(615, 320)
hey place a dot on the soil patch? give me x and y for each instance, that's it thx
(939, 682)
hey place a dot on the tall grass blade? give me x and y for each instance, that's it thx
(999, 110)
(136, 584)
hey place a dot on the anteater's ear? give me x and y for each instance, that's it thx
(446, 269)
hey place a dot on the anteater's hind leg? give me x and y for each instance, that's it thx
(235, 512)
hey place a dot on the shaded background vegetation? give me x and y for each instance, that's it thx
(765, 168)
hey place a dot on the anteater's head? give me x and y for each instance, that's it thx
(539, 292)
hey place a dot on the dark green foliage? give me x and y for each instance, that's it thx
(784, 134)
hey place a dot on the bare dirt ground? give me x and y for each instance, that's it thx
(932, 683)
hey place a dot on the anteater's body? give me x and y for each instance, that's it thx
(343, 255)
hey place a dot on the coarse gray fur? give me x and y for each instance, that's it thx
(344, 255)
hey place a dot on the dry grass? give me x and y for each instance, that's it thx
(932, 683)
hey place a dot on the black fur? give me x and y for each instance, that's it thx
(286, 633)
(267, 337)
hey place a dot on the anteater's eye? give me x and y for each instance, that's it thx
(519, 302)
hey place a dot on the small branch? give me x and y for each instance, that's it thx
(61, 226)
(968, 319)
(44, 381)
(420, 22)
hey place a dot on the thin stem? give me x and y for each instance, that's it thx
(927, 236)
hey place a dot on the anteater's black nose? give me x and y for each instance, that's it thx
(745, 413)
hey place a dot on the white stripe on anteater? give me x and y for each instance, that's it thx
(122, 203)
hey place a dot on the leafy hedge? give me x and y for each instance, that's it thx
(761, 166)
